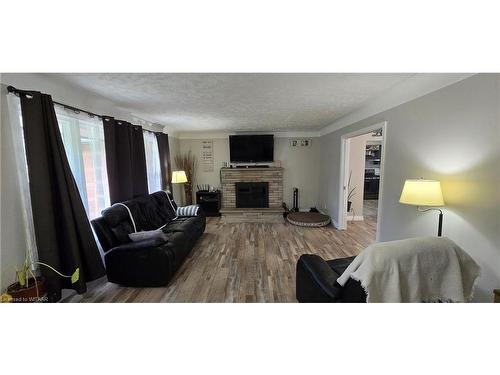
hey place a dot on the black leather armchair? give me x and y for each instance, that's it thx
(151, 262)
(316, 281)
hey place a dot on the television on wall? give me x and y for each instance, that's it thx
(258, 148)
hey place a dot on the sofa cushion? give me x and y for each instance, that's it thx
(146, 235)
(191, 225)
(166, 210)
(116, 221)
(147, 214)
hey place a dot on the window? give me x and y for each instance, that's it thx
(83, 138)
(152, 161)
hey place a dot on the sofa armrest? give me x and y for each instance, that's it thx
(316, 281)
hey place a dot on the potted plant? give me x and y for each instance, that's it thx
(187, 163)
(351, 192)
(28, 287)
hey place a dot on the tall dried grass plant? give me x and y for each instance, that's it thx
(187, 162)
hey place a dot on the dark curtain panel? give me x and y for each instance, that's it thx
(166, 169)
(125, 160)
(63, 234)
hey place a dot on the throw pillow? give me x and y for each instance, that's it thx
(187, 210)
(146, 235)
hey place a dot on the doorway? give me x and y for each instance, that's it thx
(361, 180)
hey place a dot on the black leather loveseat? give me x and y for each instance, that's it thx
(150, 262)
(316, 281)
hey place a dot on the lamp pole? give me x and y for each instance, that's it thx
(440, 219)
(440, 223)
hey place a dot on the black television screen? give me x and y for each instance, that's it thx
(251, 148)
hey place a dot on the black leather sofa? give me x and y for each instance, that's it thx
(316, 281)
(151, 262)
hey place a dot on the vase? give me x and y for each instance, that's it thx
(30, 294)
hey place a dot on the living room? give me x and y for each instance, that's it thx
(299, 167)
(242, 209)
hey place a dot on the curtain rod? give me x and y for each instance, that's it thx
(16, 91)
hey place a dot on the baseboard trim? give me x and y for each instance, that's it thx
(355, 218)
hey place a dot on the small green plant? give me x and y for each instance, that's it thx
(23, 274)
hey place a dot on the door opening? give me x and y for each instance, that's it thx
(361, 180)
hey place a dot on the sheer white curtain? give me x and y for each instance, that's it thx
(19, 192)
(152, 161)
(83, 138)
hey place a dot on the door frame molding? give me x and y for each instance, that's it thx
(344, 159)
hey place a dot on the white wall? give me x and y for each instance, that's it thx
(301, 166)
(300, 170)
(452, 135)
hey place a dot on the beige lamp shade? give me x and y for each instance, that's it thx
(422, 193)
(179, 177)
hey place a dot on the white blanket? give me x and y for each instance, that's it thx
(427, 269)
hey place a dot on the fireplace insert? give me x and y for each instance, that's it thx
(252, 194)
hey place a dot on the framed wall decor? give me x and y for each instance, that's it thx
(207, 155)
(300, 142)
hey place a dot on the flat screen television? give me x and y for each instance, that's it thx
(251, 148)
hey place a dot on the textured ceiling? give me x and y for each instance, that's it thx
(237, 102)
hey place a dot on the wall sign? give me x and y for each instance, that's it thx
(300, 142)
(207, 155)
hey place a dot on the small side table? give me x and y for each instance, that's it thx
(209, 201)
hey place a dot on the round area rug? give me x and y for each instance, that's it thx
(308, 219)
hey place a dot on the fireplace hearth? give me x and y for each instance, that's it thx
(252, 194)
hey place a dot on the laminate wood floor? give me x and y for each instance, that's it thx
(370, 209)
(243, 262)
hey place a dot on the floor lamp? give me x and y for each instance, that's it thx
(424, 193)
(179, 177)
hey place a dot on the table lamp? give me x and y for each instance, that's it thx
(179, 177)
(424, 193)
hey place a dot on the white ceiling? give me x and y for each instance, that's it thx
(237, 102)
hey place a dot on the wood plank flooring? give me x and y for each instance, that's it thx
(370, 209)
(243, 262)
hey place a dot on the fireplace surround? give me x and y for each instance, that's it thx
(273, 176)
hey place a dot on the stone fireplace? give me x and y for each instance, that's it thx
(244, 178)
